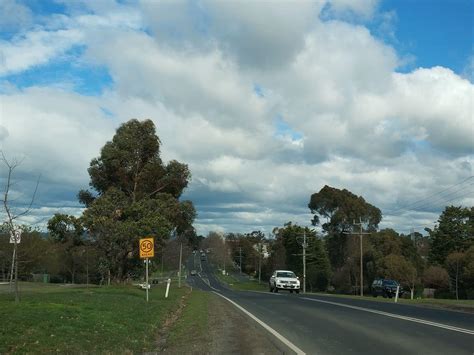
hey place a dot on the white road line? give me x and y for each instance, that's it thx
(411, 319)
(267, 327)
(265, 293)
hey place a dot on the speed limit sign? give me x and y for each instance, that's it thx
(147, 248)
(15, 236)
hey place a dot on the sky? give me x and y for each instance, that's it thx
(266, 102)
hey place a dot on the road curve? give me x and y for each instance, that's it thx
(333, 325)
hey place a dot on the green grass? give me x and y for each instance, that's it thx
(237, 285)
(436, 302)
(193, 325)
(111, 319)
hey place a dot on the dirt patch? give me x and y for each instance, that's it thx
(163, 334)
(230, 332)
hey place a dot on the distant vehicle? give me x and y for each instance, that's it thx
(284, 280)
(193, 272)
(386, 288)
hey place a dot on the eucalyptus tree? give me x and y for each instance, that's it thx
(133, 194)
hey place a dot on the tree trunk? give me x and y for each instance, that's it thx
(17, 297)
(12, 272)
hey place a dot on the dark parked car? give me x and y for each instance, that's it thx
(386, 288)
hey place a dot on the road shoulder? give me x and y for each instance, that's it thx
(211, 325)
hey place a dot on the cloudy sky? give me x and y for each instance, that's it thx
(266, 101)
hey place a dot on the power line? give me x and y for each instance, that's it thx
(426, 199)
(446, 198)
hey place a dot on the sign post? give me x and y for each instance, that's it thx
(147, 250)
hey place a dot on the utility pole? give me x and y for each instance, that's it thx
(304, 245)
(162, 260)
(180, 259)
(304, 261)
(87, 266)
(259, 262)
(240, 258)
(361, 234)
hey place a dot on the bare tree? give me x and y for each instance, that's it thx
(12, 216)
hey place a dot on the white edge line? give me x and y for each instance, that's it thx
(411, 319)
(267, 327)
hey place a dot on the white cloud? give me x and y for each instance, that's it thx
(56, 132)
(260, 34)
(14, 15)
(390, 137)
(35, 48)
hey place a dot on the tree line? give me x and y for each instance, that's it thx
(442, 259)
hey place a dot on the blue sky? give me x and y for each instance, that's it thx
(369, 95)
(436, 32)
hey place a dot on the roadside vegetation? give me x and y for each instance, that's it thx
(452, 304)
(437, 264)
(193, 324)
(237, 284)
(112, 319)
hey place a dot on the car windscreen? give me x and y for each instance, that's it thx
(286, 274)
(390, 283)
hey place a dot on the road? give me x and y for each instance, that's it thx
(333, 325)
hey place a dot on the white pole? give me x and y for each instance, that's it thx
(396, 295)
(146, 261)
(180, 261)
(167, 287)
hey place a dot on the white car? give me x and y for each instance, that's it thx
(284, 280)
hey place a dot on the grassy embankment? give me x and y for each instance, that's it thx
(193, 325)
(462, 305)
(54, 318)
(238, 285)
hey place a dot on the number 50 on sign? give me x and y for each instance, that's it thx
(147, 248)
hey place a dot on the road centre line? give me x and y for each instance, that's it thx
(392, 315)
(264, 292)
(266, 326)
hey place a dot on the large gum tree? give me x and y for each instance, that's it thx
(134, 194)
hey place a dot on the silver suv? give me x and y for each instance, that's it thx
(284, 280)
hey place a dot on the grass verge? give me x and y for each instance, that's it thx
(237, 285)
(77, 319)
(461, 305)
(193, 325)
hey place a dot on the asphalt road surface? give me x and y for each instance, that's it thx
(332, 325)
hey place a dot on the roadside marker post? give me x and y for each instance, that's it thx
(396, 295)
(168, 282)
(147, 250)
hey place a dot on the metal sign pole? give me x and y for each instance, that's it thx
(146, 261)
